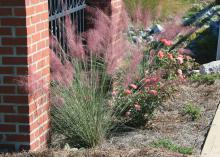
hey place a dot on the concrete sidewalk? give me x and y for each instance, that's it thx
(212, 144)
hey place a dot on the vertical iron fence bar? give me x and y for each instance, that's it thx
(59, 10)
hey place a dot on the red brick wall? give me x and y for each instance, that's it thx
(24, 49)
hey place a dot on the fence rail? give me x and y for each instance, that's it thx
(59, 10)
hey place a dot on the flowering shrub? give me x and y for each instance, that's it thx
(162, 68)
(174, 64)
(135, 105)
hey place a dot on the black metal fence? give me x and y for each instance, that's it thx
(59, 10)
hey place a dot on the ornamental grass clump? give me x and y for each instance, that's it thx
(81, 111)
(82, 80)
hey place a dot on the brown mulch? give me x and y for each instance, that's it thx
(169, 122)
(147, 152)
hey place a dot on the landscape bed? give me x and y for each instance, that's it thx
(151, 102)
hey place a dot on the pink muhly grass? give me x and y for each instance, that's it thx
(138, 14)
(152, 56)
(57, 101)
(173, 28)
(100, 40)
(94, 42)
(124, 19)
(115, 55)
(133, 67)
(159, 9)
(33, 84)
(171, 31)
(147, 18)
(183, 51)
(74, 43)
(143, 17)
(61, 73)
(102, 28)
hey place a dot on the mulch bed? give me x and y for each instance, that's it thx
(168, 122)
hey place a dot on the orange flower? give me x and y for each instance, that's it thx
(160, 54)
(133, 86)
(153, 92)
(137, 107)
(128, 92)
(170, 56)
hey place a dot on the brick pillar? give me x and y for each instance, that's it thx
(24, 51)
(117, 15)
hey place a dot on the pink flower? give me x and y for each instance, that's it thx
(180, 72)
(153, 92)
(170, 56)
(151, 81)
(180, 59)
(166, 42)
(188, 58)
(114, 93)
(128, 92)
(147, 81)
(137, 107)
(182, 77)
(163, 40)
(133, 86)
(128, 114)
(160, 54)
(181, 51)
